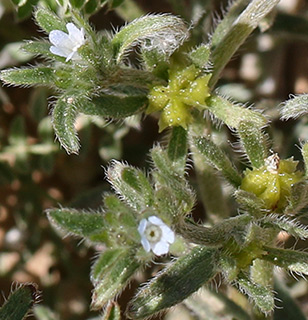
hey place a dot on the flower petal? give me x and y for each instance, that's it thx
(167, 234)
(145, 243)
(160, 248)
(155, 220)
(142, 226)
(60, 39)
(75, 34)
(58, 51)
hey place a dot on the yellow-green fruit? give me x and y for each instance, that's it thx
(272, 183)
(185, 89)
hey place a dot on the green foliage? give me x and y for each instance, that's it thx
(155, 64)
(20, 302)
(177, 282)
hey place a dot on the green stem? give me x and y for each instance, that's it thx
(237, 33)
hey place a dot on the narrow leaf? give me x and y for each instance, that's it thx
(116, 106)
(260, 295)
(254, 143)
(237, 33)
(48, 20)
(28, 76)
(294, 107)
(40, 48)
(250, 203)
(132, 185)
(177, 148)
(20, 302)
(81, 223)
(115, 279)
(213, 155)
(282, 222)
(182, 278)
(233, 114)
(166, 32)
(289, 259)
(166, 175)
(63, 119)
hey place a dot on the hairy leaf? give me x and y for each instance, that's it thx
(175, 283)
(213, 155)
(164, 32)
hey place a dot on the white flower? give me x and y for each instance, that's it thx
(155, 235)
(66, 45)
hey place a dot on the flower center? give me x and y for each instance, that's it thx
(153, 233)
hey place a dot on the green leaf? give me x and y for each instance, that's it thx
(254, 143)
(81, 223)
(213, 155)
(49, 21)
(91, 6)
(180, 279)
(282, 222)
(28, 76)
(165, 32)
(115, 275)
(177, 148)
(24, 11)
(233, 114)
(132, 185)
(294, 107)
(166, 175)
(250, 203)
(116, 106)
(104, 264)
(289, 259)
(77, 3)
(298, 198)
(40, 48)
(63, 120)
(237, 32)
(262, 296)
(20, 302)
(200, 56)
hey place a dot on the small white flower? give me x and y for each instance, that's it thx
(155, 235)
(66, 45)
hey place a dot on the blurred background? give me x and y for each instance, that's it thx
(36, 174)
